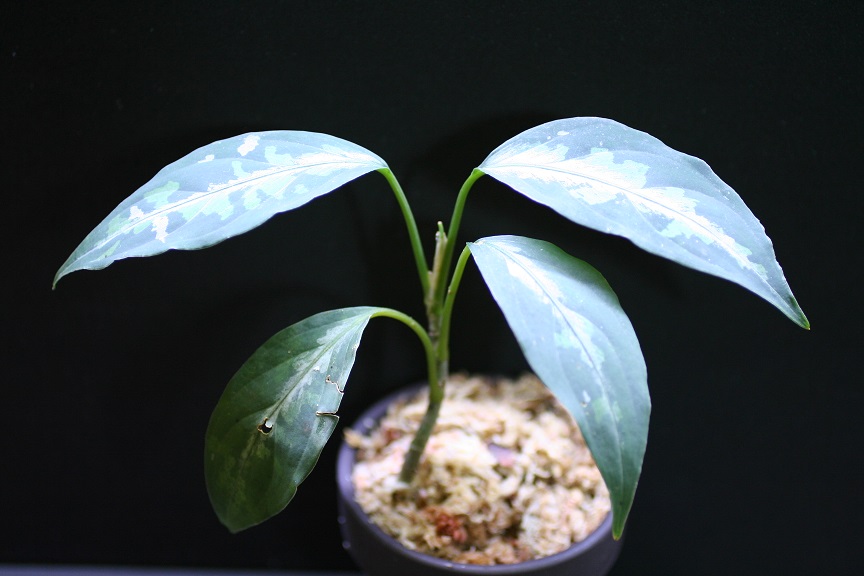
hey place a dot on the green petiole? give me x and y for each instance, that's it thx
(439, 298)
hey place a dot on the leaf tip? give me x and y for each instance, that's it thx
(617, 527)
(60, 273)
(798, 314)
(234, 529)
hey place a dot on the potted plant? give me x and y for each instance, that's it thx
(279, 410)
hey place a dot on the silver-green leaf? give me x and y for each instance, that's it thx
(221, 190)
(579, 342)
(276, 415)
(615, 179)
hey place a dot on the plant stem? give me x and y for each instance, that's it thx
(436, 394)
(443, 349)
(418, 444)
(428, 345)
(439, 308)
(413, 233)
(453, 231)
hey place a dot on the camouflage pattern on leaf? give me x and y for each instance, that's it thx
(222, 190)
(615, 179)
(579, 342)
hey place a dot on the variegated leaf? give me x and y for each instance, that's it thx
(579, 342)
(222, 190)
(276, 415)
(615, 179)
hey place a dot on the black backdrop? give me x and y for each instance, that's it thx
(107, 383)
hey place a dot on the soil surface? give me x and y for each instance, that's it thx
(506, 476)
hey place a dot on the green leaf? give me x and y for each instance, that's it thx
(580, 343)
(276, 415)
(222, 190)
(609, 177)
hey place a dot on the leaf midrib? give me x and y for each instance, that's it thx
(557, 306)
(648, 200)
(205, 198)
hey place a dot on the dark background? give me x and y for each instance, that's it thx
(107, 383)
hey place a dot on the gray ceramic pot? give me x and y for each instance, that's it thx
(380, 555)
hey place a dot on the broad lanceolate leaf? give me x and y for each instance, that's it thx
(609, 177)
(580, 343)
(222, 190)
(276, 414)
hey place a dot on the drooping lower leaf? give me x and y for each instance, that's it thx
(580, 343)
(615, 179)
(221, 190)
(276, 415)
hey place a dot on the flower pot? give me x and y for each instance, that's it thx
(378, 554)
